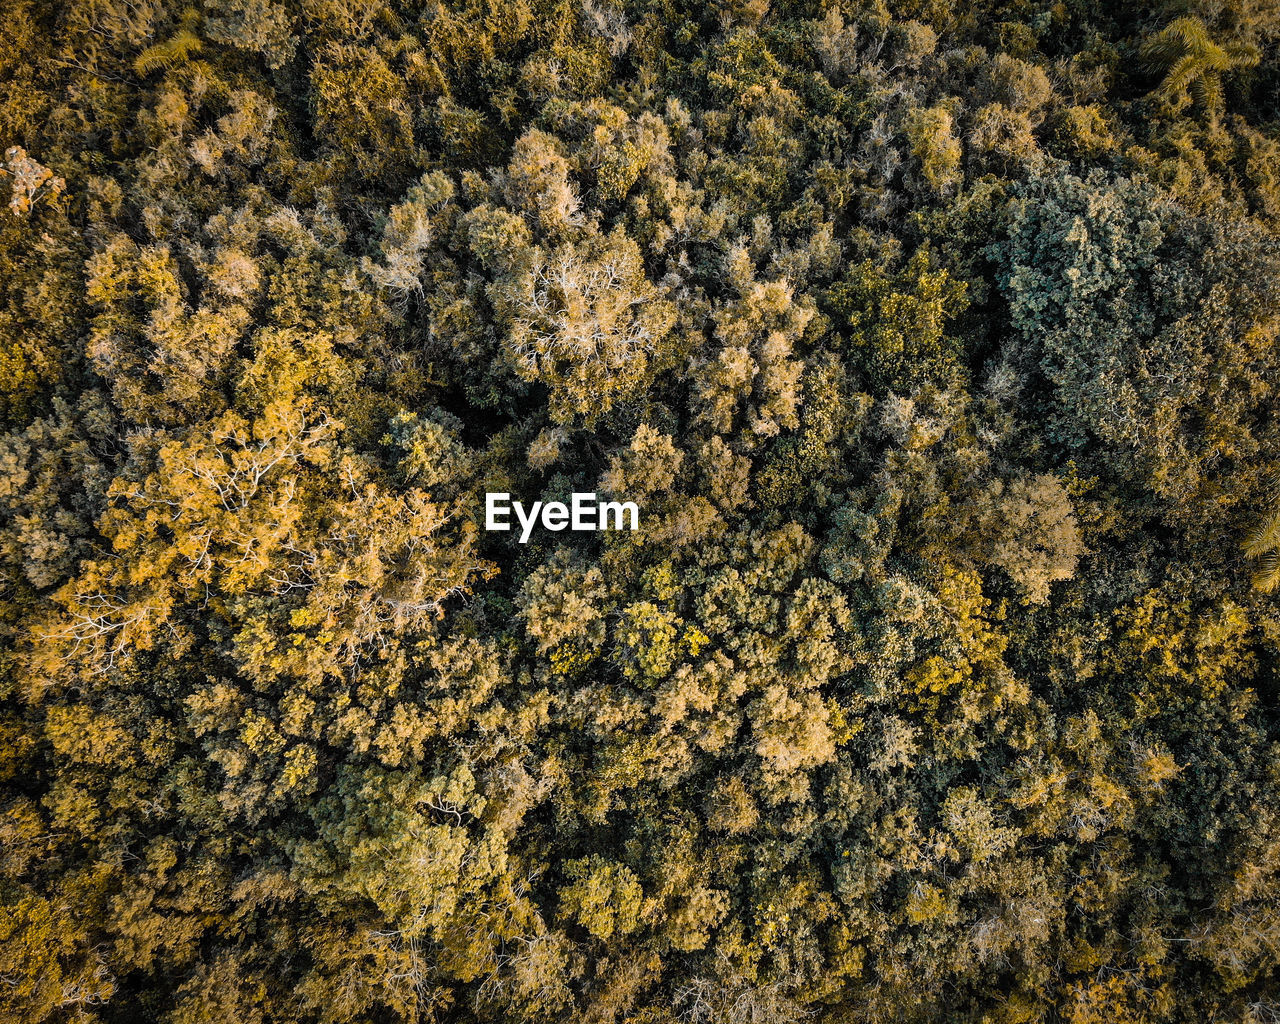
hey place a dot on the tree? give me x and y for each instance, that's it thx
(940, 363)
(584, 320)
(1033, 535)
(1193, 64)
(1149, 328)
(362, 108)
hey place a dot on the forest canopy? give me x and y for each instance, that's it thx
(937, 342)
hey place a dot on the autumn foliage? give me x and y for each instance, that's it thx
(938, 344)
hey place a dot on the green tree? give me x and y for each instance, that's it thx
(1193, 64)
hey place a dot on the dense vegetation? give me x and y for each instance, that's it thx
(937, 342)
